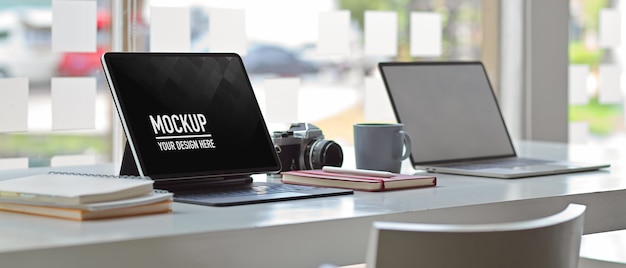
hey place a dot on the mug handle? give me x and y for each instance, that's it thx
(406, 140)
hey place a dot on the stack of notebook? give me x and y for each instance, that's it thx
(83, 196)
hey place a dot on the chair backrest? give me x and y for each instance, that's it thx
(553, 242)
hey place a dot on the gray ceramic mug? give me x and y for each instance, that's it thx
(381, 146)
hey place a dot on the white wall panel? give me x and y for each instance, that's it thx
(281, 100)
(13, 163)
(170, 29)
(13, 104)
(377, 107)
(381, 33)
(334, 33)
(73, 103)
(227, 28)
(610, 28)
(610, 77)
(578, 76)
(72, 160)
(74, 26)
(578, 132)
(426, 36)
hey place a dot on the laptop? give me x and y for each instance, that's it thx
(193, 124)
(450, 111)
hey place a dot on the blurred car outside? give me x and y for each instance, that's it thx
(261, 59)
(88, 63)
(264, 58)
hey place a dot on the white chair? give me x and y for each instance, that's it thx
(551, 242)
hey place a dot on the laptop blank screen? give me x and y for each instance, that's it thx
(448, 109)
(190, 114)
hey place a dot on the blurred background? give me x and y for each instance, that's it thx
(282, 42)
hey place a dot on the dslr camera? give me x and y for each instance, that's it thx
(303, 147)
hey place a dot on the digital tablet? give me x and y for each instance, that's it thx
(189, 115)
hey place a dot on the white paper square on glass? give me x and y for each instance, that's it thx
(610, 28)
(74, 26)
(227, 28)
(281, 99)
(610, 92)
(426, 34)
(13, 163)
(381, 33)
(73, 103)
(170, 29)
(72, 160)
(334, 33)
(13, 104)
(578, 132)
(377, 106)
(578, 75)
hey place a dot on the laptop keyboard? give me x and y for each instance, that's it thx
(500, 163)
(258, 189)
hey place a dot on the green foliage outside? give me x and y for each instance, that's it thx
(603, 119)
(591, 13)
(39, 148)
(579, 54)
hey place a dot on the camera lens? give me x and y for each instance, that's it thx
(323, 153)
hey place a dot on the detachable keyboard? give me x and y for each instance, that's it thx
(256, 192)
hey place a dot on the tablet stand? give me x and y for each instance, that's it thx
(128, 163)
(130, 168)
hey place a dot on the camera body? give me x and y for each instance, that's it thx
(303, 147)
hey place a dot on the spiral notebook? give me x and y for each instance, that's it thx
(81, 214)
(74, 188)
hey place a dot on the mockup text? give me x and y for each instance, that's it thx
(181, 132)
(178, 123)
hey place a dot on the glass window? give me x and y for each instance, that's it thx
(26, 52)
(596, 54)
(282, 38)
(281, 42)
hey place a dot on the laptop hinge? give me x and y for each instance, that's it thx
(197, 184)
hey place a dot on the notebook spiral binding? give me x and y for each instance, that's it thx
(161, 191)
(102, 175)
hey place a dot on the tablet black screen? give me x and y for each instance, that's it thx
(190, 114)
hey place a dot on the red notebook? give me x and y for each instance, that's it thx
(319, 177)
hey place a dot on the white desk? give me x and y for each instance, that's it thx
(307, 233)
